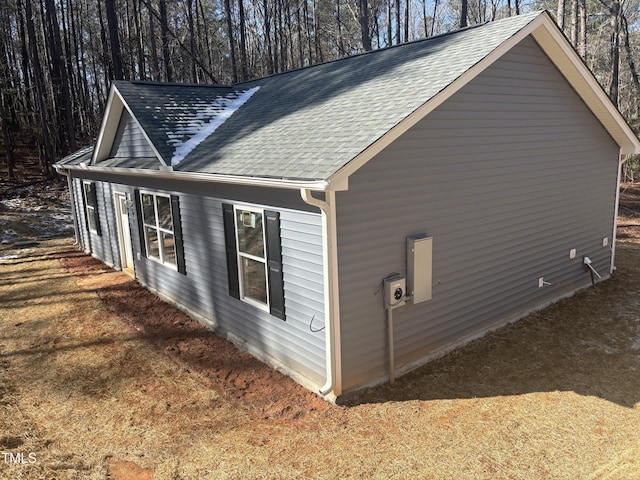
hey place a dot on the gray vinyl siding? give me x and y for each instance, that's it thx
(129, 141)
(104, 246)
(507, 175)
(204, 289)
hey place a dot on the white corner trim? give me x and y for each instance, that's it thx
(614, 235)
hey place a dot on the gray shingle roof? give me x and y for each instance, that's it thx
(78, 157)
(308, 123)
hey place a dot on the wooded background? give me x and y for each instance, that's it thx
(57, 57)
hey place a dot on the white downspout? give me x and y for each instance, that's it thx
(621, 160)
(330, 272)
(76, 229)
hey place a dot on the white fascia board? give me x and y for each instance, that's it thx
(108, 128)
(167, 174)
(555, 45)
(106, 136)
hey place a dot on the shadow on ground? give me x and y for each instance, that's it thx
(588, 344)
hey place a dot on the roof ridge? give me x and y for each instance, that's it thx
(158, 83)
(327, 62)
(534, 13)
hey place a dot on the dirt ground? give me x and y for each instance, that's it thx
(99, 379)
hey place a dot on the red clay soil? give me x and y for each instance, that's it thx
(262, 390)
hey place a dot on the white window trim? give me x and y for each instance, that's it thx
(87, 207)
(158, 228)
(245, 208)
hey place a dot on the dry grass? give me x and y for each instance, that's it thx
(555, 395)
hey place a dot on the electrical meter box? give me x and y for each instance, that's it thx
(419, 267)
(395, 289)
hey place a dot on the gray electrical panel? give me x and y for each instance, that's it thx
(419, 267)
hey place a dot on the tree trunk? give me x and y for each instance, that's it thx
(433, 19)
(24, 64)
(424, 18)
(582, 35)
(105, 49)
(155, 61)
(389, 24)
(615, 52)
(267, 34)
(192, 40)
(232, 46)
(364, 25)
(60, 81)
(632, 65)
(46, 153)
(4, 93)
(300, 35)
(114, 40)
(164, 39)
(308, 30)
(463, 13)
(407, 10)
(139, 41)
(243, 41)
(561, 13)
(316, 29)
(292, 61)
(398, 23)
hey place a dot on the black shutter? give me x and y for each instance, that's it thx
(177, 234)
(85, 204)
(232, 254)
(274, 264)
(94, 200)
(138, 201)
(95, 208)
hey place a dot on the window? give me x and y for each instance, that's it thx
(254, 259)
(252, 256)
(160, 229)
(91, 207)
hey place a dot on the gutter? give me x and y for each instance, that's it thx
(167, 173)
(333, 355)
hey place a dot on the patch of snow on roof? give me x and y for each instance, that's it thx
(206, 119)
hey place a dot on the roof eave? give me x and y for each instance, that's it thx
(168, 174)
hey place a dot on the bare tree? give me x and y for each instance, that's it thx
(464, 13)
(615, 51)
(364, 25)
(164, 41)
(232, 47)
(114, 39)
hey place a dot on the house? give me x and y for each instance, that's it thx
(481, 167)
